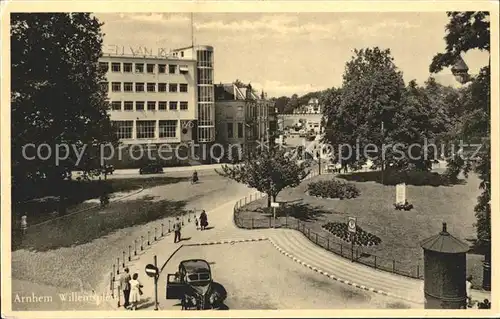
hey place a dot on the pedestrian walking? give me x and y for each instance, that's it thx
(196, 222)
(135, 291)
(125, 287)
(203, 220)
(24, 224)
(177, 230)
(468, 290)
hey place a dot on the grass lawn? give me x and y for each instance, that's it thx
(82, 247)
(82, 191)
(400, 231)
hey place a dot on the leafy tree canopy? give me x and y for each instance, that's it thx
(269, 171)
(57, 95)
(468, 31)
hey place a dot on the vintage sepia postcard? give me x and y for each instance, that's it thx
(249, 159)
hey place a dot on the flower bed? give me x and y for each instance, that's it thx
(333, 189)
(362, 238)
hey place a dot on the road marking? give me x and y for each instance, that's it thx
(338, 279)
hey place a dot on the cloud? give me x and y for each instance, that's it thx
(282, 26)
(156, 18)
(385, 27)
(277, 88)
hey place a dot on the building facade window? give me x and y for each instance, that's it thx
(139, 68)
(168, 128)
(230, 130)
(151, 106)
(116, 67)
(205, 76)
(162, 87)
(172, 69)
(139, 105)
(162, 68)
(151, 87)
(104, 66)
(205, 94)
(139, 87)
(116, 105)
(172, 105)
(150, 68)
(183, 87)
(128, 87)
(172, 87)
(205, 58)
(128, 106)
(146, 129)
(162, 105)
(123, 129)
(116, 86)
(205, 114)
(240, 130)
(183, 105)
(127, 67)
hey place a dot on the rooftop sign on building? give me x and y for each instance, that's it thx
(136, 51)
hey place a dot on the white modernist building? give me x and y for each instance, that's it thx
(166, 99)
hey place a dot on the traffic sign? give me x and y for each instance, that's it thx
(351, 225)
(275, 204)
(151, 270)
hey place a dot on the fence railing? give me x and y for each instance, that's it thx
(133, 252)
(330, 243)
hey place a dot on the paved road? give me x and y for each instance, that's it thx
(257, 278)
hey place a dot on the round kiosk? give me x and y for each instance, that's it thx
(444, 271)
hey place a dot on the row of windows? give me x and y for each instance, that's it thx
(205, 58)
(230, 130)
(146, 129)
(118, 67)
(145, 87)
(149, 105)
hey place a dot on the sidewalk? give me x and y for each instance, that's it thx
(164, 248)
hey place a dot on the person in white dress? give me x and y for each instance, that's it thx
(135, 291)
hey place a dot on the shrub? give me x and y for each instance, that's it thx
(333, 189)
(362, 238)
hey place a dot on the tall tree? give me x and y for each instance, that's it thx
(292, 104)
(371, 97)
(269, 170)
(281, 103)
(57, 95)
(471, 31)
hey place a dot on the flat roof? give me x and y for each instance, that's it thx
(203, 47)
(144, 57)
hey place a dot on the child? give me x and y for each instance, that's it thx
(196, 222)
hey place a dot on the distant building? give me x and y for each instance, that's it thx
(312, 107)
(242, 116)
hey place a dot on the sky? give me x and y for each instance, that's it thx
(292, 53)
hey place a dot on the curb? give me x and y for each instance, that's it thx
(378, 291)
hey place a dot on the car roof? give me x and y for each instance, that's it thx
(195, 265)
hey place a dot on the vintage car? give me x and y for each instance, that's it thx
(194, 287)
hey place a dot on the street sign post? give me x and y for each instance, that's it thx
(351, 227)
(274, 205)
(152, 271)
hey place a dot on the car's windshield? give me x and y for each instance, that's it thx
(200, 277)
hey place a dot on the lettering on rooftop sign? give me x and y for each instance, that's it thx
(135, 51)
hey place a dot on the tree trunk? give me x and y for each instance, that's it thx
(269, 200)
